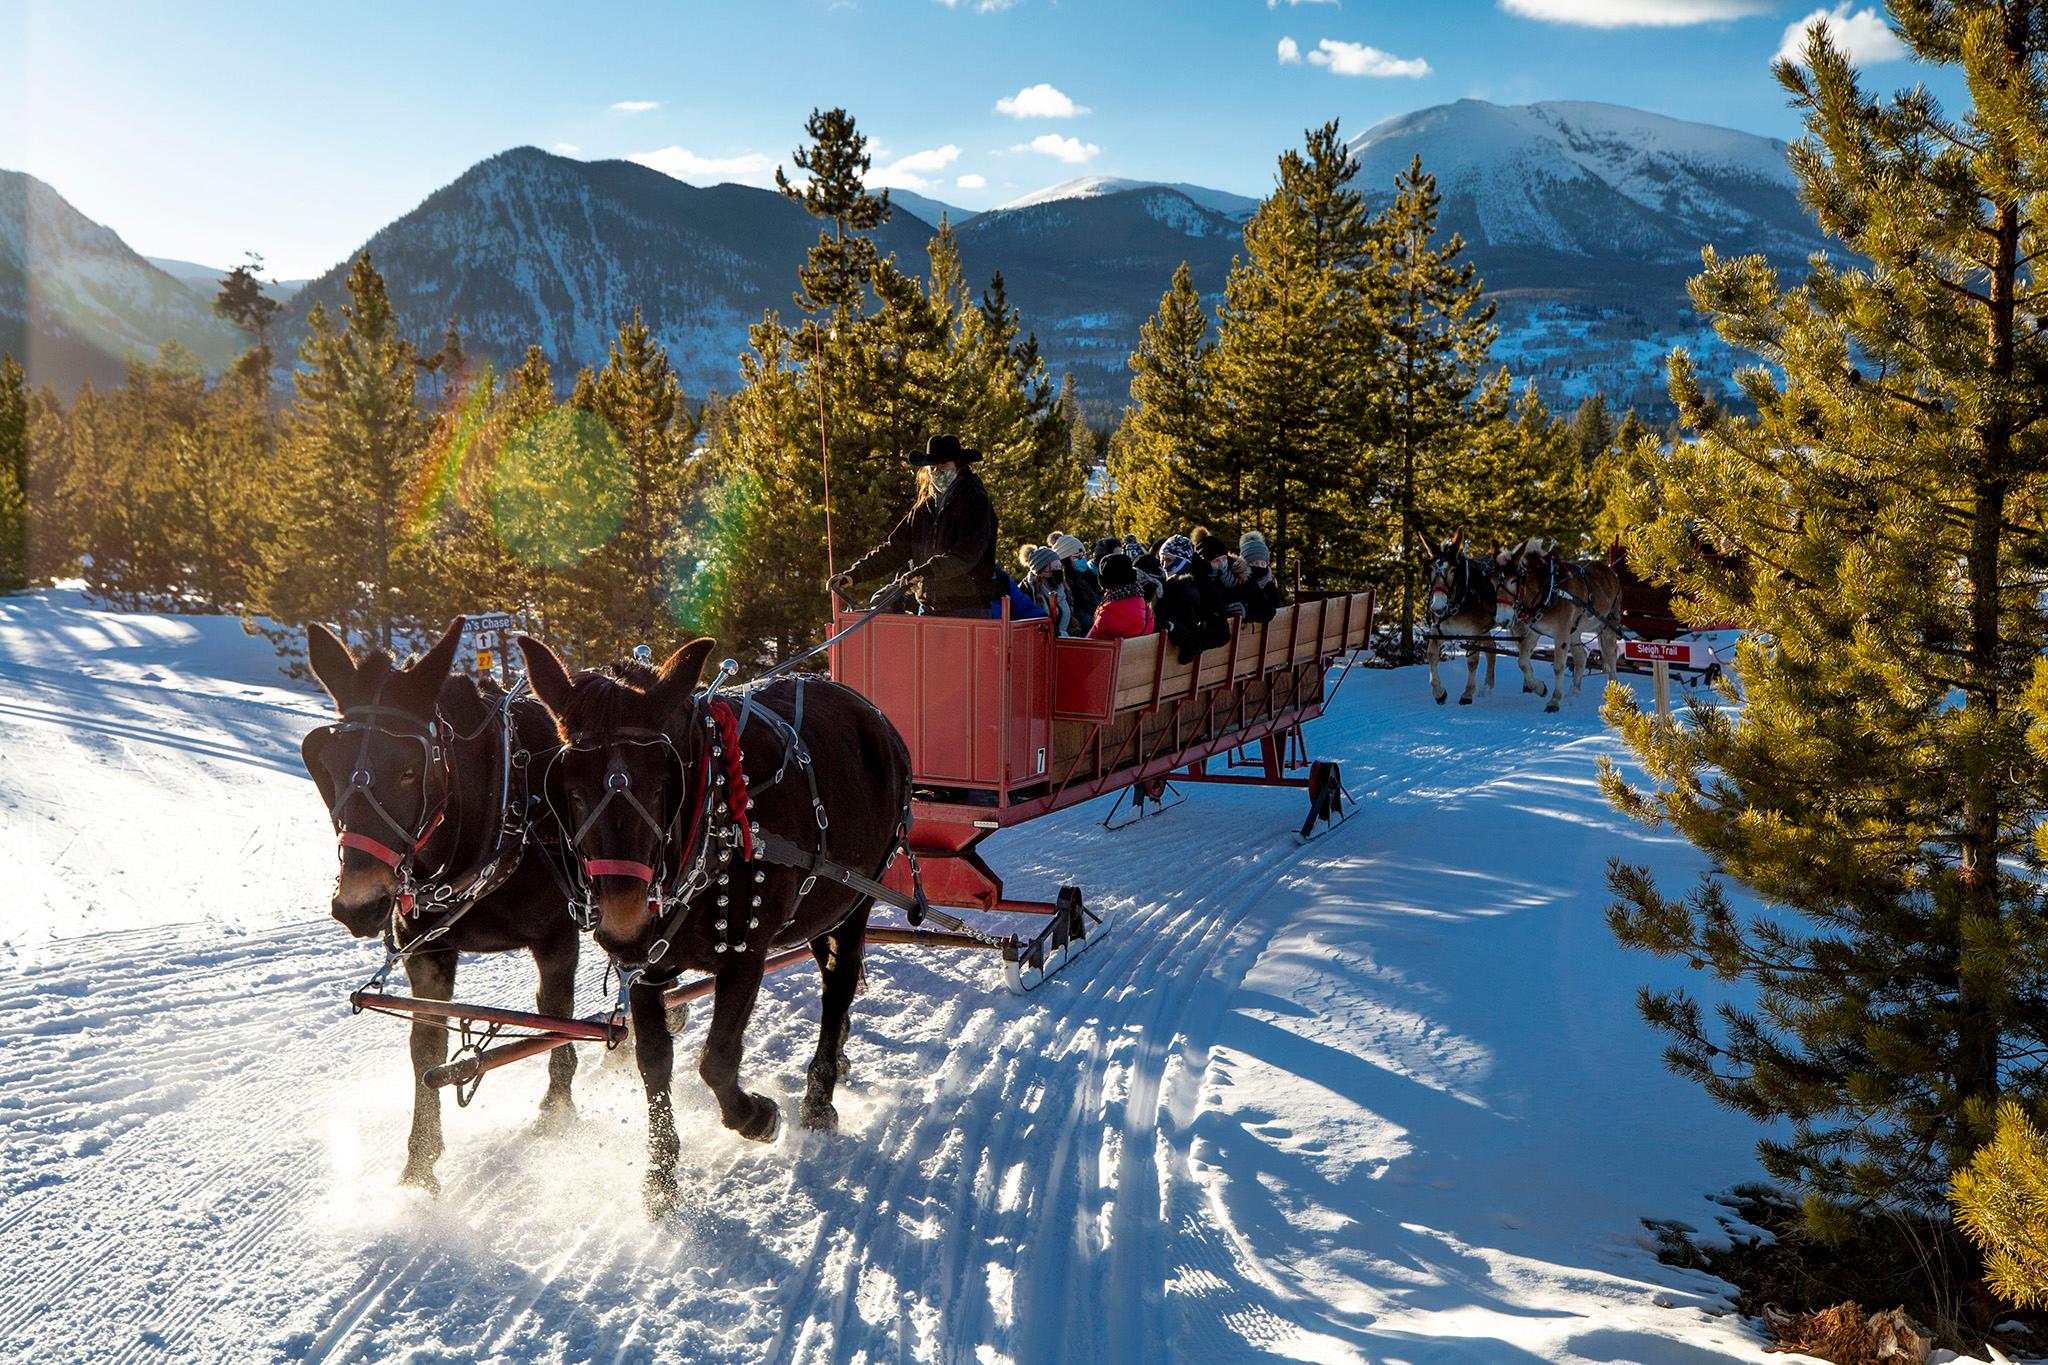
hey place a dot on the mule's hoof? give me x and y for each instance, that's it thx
(421, 1177)
(678, 1019)
(658, 1193)
(1464, 701)
(1442, 697)
(762, 1121)
(1552, 708)
(556, 1116)
(819, 1116)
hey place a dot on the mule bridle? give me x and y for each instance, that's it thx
(368, 721)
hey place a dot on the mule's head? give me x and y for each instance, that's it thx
(623, 781)
(382, 768)
(1446, 570)
(1526, 574)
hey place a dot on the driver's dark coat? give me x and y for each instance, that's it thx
(959, 528)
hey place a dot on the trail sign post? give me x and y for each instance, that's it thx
(1660, 655)
(485, 632)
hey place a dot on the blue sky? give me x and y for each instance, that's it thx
(201, 131)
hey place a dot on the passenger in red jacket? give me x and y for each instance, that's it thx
(1124, 612)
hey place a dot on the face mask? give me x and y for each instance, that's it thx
(1056, 577)
(942, 479)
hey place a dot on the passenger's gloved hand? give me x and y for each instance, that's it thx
(841, 583)
(1234, 609)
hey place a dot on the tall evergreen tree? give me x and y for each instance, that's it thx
(358, 442)
(242, 301)
(1291, 374)
(13, 475)
(1437, 341)
(1875, 528)
(1162, 461)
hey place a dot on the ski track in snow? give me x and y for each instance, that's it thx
(1383, 1096)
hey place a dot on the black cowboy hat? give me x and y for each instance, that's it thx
(943, 447)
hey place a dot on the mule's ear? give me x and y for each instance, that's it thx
(678, 677)
(549, 678)
(432, 667)
(1458, 542)
(333, 666)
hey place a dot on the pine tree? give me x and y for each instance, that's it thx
(1518, 478)
(241, 300)
(13, 475)
(1163, 458)
(1592, 429)
(1438, 335)
(2001, 1201)
(836, 271)
(1291, 373)
(1875, 530)
(357, 443)
(639, 580)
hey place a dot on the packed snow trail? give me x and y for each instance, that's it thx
(1383, 1096)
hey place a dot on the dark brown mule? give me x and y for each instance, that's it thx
(1461, 603)
(1561, 599)
(677, 806)
(414, 776)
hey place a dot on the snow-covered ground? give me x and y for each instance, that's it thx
(1383, 1097)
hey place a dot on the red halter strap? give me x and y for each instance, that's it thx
(383, 852)
(619, 867)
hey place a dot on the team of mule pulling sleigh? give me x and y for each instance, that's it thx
(705, 835)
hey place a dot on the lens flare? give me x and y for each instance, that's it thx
(561, 488)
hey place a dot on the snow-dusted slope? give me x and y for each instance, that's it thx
(1586, 179)
(1238, 206)
(76, 302)
(1383, 1097)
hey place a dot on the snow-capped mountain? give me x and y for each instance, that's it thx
(529, 248)
(1586, 220)
(1237, 206)
(76, 302)
(929, 209)
(1582, 179)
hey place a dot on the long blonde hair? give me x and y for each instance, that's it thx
(926, 489)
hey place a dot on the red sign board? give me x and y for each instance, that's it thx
(1668, 651)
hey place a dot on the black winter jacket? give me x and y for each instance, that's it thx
(1191, 613)
(958, 528)
(1261, 599)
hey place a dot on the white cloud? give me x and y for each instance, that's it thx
(1275, 4)
(567, 148)
(635, 106)
(1862, 34)
(973, 180)
(1635, 13)
(1071, 150)
(911, 172)
(1040, 101)
(1290, 52)
(749, 168)
(1356, 59)
(980, 6)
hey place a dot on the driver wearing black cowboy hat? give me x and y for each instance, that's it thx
(953, 525)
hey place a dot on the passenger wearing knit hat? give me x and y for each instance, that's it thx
(1176, 548)
(1037, 558)
(1084, 589)
(1260, 592)
(1124, 613)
